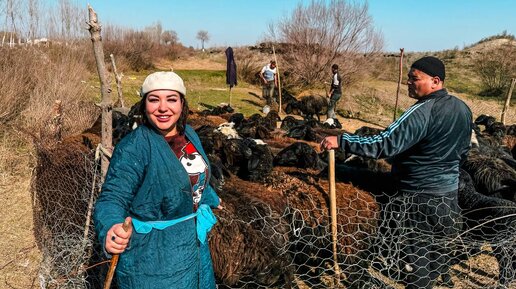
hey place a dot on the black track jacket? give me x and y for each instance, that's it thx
(427, 143)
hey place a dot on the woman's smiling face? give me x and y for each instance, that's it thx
(163, 108)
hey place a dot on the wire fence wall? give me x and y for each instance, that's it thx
(277, 233)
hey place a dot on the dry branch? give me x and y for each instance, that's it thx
(106, 104)
(118, 78)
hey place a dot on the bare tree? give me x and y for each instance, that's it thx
(322, 33)
(154, 32)
(159, 31)
(33, 19)
(496, 67)
(169, 37)
(70, 21)
(10, 17)
(203, 36)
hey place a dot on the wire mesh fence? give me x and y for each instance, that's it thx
(277, 233)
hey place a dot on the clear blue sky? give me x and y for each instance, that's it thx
(412, 24)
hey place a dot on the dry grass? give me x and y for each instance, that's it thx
(31, 80)
(19, 256)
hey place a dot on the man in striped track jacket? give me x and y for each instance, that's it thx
(426, 145)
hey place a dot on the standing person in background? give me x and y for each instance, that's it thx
(427, 144)
(335, 91)
(270, 81)
(159, 178)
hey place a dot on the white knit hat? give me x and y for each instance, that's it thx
(163, 80)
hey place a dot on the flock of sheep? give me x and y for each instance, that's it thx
(274, 231)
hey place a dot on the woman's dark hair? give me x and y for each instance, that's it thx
(181, 122)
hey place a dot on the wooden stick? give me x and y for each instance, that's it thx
(279, 79)
(230, 96)
(114, 260)
(118, 78)
(507, 101)
(399, 84)
(105, 105)
(333, 208)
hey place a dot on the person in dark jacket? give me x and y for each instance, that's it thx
(158, 178)
(335, 91)
(426, 144)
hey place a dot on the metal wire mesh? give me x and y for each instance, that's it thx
(277, 233)
(64, 186)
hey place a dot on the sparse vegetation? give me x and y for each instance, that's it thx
(323, 33)
(503, 35)
(496, 67)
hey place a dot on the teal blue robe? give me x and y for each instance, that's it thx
(145, 180)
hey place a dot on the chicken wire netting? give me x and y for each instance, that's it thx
(64, 187)
(277, 233)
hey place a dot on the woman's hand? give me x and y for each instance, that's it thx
(117, 238)
(329, 143)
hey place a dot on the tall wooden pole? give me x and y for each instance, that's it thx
(333, 210)
(399, 84)
(229, 95)
(507, 100)
(105, 90)
(279, 79)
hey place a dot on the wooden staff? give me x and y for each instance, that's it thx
(507, 101)
(333, 209)
(279, 79)
(114, 260)
(399, 84)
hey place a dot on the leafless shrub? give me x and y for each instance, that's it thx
(496, 67)
(32, 79)
(324, 33)
(248, 65)
(135, 48)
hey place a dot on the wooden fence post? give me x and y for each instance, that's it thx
(105, 105)
(507, 101)
(399, 84)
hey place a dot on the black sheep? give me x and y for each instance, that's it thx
(300, 155)
(492, 220)
(211, 139)
(237, 118)
(332, 123)
(246, 159)
(492, 176)
(303, 132)
(270, 120)
(485, 120)
(313, 105)
(492, 127)
(260, 163)
(289, 122)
